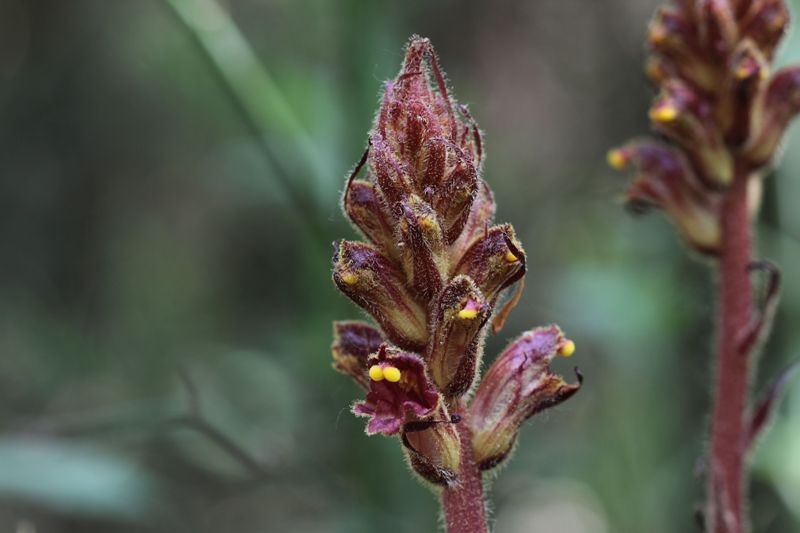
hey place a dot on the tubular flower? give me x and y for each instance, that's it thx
(517, 386)
(717, 104)
(431, 275)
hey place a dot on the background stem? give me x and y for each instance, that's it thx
(728, 429)
(462, 504)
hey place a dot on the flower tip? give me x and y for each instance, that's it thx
(658, 34)
(566, 349)
(392, 374)
(376, 373)
(427, 222)
(350, 278)
(467, 314)
(470, 310)
(616, 159)
(663, 113)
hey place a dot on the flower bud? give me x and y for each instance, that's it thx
(518, 385)
(718, 28)
(749, 69)
(665, 181)
(682, 116)
(672, 36)
(765, 21)
(399, 392)
(412, 111)
(353, 342)
(448, 181)
(391, 175)
(372, 281)
(494, 261)
(454, 349)
(481, 217)
(432, 448)
(423, 251)
(669, 32)
(410, 120)
(364, 208)
(771, 115)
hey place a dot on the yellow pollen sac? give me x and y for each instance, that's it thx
(655, 69)
(376, 373)
(567, 349)
(663, 113)
(749, 69)
(510, 257)
(467, 314)
(350, 278)
(616, 160)
(392, 374)
(658, 35)
(426, 222)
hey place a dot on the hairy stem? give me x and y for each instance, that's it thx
(462, 504)
(726, 507)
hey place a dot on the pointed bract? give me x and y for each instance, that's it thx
(432, 448)
(363, 206)
(423, 250)
(353, 342)
(494, 261)
(772, 114)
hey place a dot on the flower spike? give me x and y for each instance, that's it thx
(431, 277)
(725, 115)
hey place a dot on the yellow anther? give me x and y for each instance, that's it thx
(658, 34)
(663, 113)
(350, 278)
(567, 349)
(376, 373)
(776, 22)
(510, 257)
(616, 159)
(743, 72)
(467, 314)
(426, 222)
(392, 374)
(655, 69)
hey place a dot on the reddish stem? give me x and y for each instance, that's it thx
(462, 503)
(726, 508)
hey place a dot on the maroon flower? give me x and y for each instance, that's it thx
(399, 392)
(430, 276)
(517, 386)
(666, 181)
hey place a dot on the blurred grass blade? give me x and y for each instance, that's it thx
(258, 99)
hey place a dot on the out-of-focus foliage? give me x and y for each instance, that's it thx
(164, 254)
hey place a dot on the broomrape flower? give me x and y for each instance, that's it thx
(723, 114)
(433, 274)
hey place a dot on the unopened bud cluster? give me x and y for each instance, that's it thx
(719, 105)
(430, 275)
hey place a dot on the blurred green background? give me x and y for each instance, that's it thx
(169, 183)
